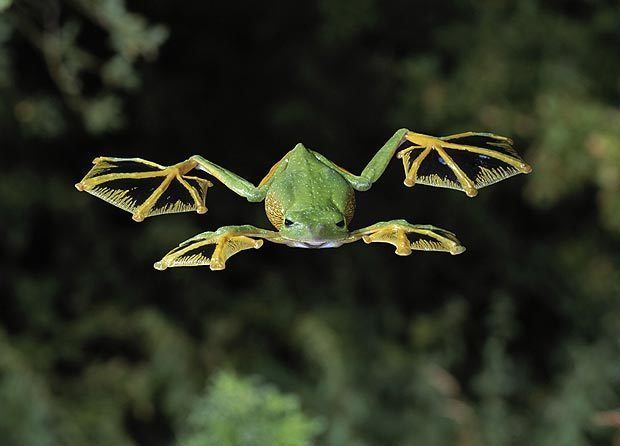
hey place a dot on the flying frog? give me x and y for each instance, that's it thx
(309, 199)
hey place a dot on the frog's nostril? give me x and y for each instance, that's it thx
(340, 224)
(288, 222)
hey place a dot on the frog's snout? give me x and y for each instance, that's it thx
(317, 230)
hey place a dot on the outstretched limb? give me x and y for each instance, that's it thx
(375, 167)
(144, 188)
(465, 161)
(406, 237)
(214, 248)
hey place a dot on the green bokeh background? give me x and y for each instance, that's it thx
(515, 342)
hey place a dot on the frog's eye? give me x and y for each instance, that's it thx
(287, 222)
(340, 224)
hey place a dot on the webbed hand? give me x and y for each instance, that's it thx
(466, 161)
(144, 188)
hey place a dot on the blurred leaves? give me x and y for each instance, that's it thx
(542, 88)
(102, 113)
(118, 72)
(40, 116)
(345, 20)
(26, 415)
(514, 342)
(579, 147)
(86, 80)
(130, 34)
(245, 412)
(5, 4)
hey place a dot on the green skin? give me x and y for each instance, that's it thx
(307, 197)
(312, 191)
(313, 197)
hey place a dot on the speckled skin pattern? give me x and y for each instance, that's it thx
(309, 201)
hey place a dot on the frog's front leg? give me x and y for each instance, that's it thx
(406, 237)
(214, 248)
(465, 161)
(145, 188)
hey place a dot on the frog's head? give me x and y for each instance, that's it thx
(315, 228)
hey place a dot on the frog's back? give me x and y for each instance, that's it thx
(305, 174)
(305, 183)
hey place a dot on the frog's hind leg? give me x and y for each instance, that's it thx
(406, 237)
(214, 248)
(144, 188)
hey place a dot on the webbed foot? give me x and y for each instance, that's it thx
(406, 237)
(215, 248)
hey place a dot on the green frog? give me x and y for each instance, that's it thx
(308, 199)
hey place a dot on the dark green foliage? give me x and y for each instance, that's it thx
(237, 412)
(515, 342)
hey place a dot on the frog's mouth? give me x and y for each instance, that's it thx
(313, 244)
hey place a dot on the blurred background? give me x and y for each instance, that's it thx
(515, 342)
